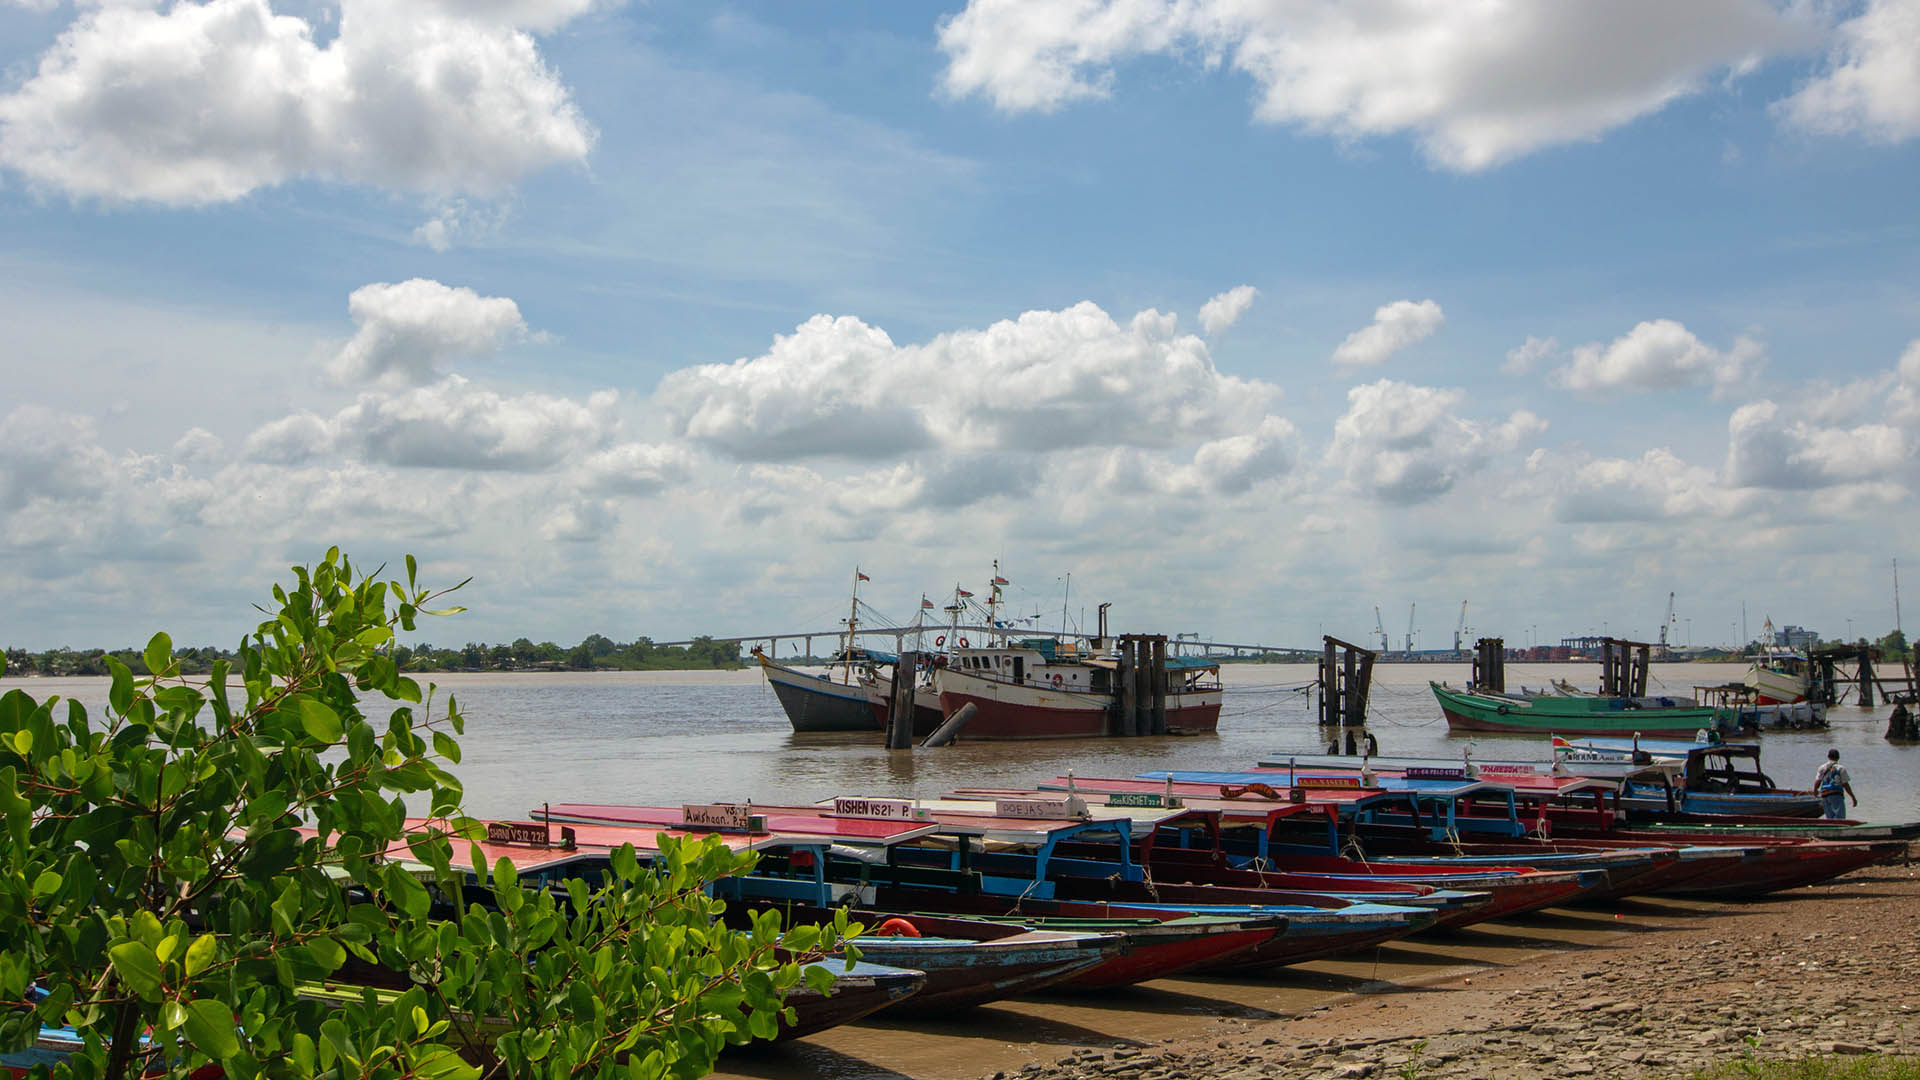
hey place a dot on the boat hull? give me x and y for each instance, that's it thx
(1553, 716)
(814, 704)
(1169, 946)
(926, 709)
(1020, 711)
(963, 973)
(866, 989)
(1772, 687)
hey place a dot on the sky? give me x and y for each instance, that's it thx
(659, 318)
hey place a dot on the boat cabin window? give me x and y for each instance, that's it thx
(1019, 669)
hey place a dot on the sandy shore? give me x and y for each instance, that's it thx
(1652, 988)
(1828, 969)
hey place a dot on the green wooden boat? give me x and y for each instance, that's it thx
(1573, 715)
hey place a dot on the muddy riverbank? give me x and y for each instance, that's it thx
(1651, 988)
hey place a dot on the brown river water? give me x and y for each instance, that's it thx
(672, 737)
(706, 736)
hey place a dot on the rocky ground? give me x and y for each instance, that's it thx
(1829, 969)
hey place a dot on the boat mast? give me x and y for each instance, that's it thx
(853, 618)
(1896, 596)
(1067, 592)
(953, 620)
(994, 585)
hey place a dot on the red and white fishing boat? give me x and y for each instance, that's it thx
(1041, 688)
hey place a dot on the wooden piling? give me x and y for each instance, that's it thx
(1866, 678)
(1329, 686)
(1160, 685)
(906, 671)
(1129, 690)
(1142, 686)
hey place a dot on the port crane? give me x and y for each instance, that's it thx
(1665, 622)
(1380, 627)
(1460, 629)
(1410, 610)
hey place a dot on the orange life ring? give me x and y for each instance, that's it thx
(941, 640)
(963, 643)
(895, 927)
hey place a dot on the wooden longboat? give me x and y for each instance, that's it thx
(545, 854)
(1157, 943)
(1570, 715)
(1089, 860)
(1768, 865)
(1250, 840)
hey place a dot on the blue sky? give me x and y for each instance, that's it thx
(657, 318)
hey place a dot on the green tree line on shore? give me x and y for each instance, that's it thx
(595, 653)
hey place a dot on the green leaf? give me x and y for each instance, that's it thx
(444, 745)
(413, 569)
(407, 893)
(200, 954)
(210, 1025)
(120, 694)
(328, 953)
(303, 1053)
(137, 966)
(319, 720)
(159, 654)
(455, 610)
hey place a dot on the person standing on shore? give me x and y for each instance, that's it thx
(1834, 787)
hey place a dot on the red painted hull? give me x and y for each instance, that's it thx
(1009, 713)
(1521, 891)
(1153, 952)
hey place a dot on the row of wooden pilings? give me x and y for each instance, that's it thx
(1141, 678)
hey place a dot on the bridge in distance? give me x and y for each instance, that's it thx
(1178, 645)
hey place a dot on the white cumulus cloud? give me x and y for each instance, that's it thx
(451, 424)
(1045, 381)
(638, 468)
(44, 452)
(1872, 81)
(1221, 312)
(1524, 357)
(409, 331)
(1402, 443)
(1657, 486)
(1395, 326)
(1476, 83)
(1660, 354)
(1767, 447)
(205, 102)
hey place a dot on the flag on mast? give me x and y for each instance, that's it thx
(963, 592)
(926, 603)
(998, 580)
(861, 576)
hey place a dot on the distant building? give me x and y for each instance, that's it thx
(1797, 638)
